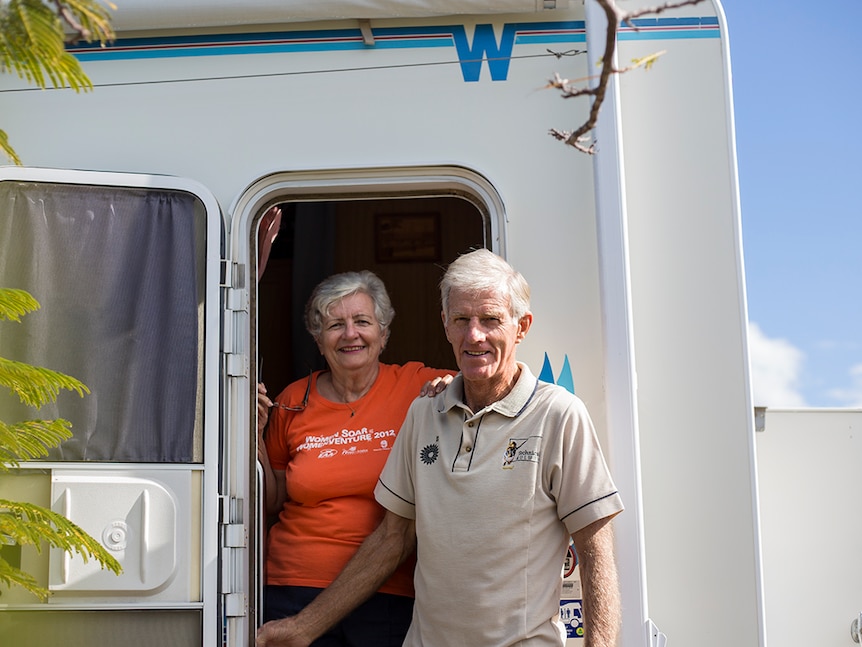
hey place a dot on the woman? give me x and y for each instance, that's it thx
(327, 439)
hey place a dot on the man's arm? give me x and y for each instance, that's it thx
(595, 547)
(377, 558)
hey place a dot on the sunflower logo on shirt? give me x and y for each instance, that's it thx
(429, 453)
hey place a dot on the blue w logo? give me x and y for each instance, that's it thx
(484, 48)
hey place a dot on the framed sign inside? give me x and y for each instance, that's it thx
(401, 238)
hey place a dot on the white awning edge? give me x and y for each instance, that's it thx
(146, 15)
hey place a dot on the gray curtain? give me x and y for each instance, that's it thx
(119, 274)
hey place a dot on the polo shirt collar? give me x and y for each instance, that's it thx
(510, 406)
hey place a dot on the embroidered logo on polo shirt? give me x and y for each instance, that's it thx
(520, 450)
(429, 454)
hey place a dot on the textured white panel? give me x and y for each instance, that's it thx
(134, 518)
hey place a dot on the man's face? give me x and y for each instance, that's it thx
(484, 335)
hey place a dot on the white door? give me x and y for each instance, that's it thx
(127, 270)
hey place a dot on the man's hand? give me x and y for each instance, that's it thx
(281, 633)
(377, 558)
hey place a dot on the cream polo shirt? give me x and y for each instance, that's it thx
(495, 496)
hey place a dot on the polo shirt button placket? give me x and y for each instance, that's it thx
(469, 441)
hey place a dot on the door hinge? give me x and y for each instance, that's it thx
(236, 365)
(235, 605)
(236, 299)
(234, 536)
(231, 273)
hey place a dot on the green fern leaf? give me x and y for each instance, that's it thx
(16, 303)
(34, 385)
(10, 575)
(6, 147)
(32, 43)
(28, 524)
(30, 440)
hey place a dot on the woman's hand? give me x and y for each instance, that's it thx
(264, 404)
(435, 386)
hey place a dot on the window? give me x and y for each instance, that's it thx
(119, 274)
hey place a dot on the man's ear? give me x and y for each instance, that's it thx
(524, 324)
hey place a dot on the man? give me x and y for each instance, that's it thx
(488, 481)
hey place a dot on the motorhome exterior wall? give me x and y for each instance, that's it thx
(311, 105)
(234, 114)
(689, 329)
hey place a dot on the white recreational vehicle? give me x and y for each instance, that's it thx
(392, 135)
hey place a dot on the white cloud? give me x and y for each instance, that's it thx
(852, 396)
(775, 368)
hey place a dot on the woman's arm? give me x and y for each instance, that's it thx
(274, 481)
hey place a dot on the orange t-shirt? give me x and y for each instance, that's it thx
(333, 453)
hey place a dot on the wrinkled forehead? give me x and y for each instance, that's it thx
(478, 302)
(357, 304)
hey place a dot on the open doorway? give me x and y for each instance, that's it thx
(407, 242)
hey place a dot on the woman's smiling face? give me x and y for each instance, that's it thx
(351, 338)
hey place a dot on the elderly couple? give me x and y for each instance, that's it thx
(468, 496)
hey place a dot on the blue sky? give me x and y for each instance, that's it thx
(797, 86)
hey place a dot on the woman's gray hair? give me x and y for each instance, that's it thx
(482, 270)
(337, 287)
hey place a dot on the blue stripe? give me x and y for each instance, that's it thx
(217, 50)
(222, 38)
(253, 48)
(551, 38)
(671, 29)
(667, 35)
(402, 44)
(489, 47)
(705, 21)
(420, 37)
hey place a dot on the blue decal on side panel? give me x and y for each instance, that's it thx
(469, 55)
(571, 614)
(484, 44)
(564, 380)
(547, 373)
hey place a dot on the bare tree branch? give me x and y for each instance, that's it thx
(82, 33)
(580, 138)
